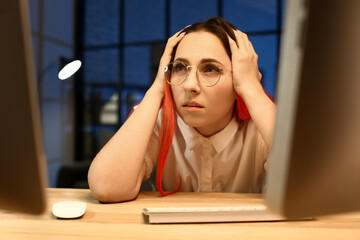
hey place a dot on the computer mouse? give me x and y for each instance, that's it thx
(69, 209)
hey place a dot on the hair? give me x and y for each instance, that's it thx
(222, 29)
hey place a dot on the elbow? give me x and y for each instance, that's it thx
(108, 193)
(108, 196)
(109, 186)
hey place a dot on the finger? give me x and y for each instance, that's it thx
(173, 41)
(252, 51)
(176, 38)
(249, 44)
(251, 47)
(243, 39)
(247, 41)
(233, 46)
(168, 51)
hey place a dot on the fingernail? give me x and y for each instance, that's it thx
(182, 34)
(188, 26)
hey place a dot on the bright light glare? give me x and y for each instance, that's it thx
(69, 69)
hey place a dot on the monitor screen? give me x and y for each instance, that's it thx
(314, 165)
(22, 161)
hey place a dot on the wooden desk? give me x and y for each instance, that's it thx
(124, 221)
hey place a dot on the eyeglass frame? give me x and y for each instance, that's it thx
(166, 69)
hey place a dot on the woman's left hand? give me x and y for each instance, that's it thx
(246, 81)
(244, 63)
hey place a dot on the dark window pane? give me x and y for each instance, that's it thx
(100, 105)
(130, 98)
(250, 15)
(144, 20)
(101, 66)
(101, 22)
(137, 66)
(187, 12)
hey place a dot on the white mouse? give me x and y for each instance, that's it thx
(69, 209)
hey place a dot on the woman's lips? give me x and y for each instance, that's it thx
(192, 106)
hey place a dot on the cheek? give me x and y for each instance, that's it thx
(224, 94)
(175, 92)
(223, 103)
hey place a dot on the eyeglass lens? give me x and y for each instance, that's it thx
(208, 73)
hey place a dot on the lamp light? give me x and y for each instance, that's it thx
(68, 68)
(65, 72)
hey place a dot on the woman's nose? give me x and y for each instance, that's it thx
(191, 83)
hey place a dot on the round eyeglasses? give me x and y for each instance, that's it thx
(208, 73)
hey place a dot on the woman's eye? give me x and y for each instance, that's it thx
(179, 68)
(211, 68)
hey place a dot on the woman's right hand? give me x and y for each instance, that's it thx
(116, 173)
(165, 60)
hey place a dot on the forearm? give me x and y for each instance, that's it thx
(261, 108)
(117, 171)
(246, 79)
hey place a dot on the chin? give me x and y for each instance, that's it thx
(193, 121)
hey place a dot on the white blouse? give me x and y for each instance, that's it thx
(232, 160)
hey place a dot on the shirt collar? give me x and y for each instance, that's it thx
(219, 140)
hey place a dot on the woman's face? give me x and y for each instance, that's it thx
(207, 109)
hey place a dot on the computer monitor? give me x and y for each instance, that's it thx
(314, 165)
(22, 161)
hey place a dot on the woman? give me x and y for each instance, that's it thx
(214, 128)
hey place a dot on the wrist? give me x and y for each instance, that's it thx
(249, 88)
(155, 91)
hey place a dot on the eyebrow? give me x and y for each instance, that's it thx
(204, 60)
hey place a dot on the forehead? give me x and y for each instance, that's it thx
(200, 45)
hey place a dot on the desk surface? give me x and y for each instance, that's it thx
(124, 220)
